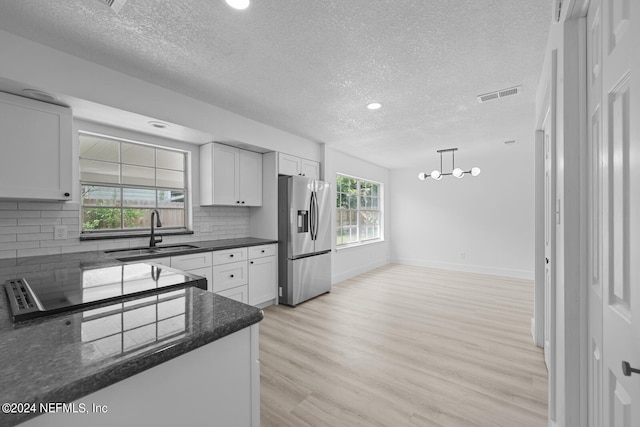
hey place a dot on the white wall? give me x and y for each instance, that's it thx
(349, 262)
(482, 224)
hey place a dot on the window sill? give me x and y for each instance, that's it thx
(130, 235)
(359, 244)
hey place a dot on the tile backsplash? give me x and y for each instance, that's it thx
(27, 228)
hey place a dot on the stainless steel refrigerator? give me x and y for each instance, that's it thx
(304, 233)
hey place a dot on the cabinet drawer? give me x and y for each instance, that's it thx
(261, 251)
(162, 261)
(237, 294)
(229, 255)
(191, 261)
(229, 275)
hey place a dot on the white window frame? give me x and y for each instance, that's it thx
(136, 232)
(380, 210)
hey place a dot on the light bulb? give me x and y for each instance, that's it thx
(422, 176)
(435, 174)
(458, 173)
(238, 4)
(475, 171)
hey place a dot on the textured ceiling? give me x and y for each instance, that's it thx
(310, 67)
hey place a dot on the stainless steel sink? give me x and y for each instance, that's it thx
(135, 252)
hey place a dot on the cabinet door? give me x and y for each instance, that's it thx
(36, 158)
(238, 293)
(199, 264)
(262, 280)
(310, 168)
(229, 276)
(250, 176)
(288, 164)
(226, 167)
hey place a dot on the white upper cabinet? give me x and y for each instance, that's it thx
(230, 176)
(36, 140)
(292, 165)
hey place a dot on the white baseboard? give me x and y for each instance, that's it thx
(496, 271)
(359, 270)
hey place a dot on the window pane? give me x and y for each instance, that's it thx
(167, 178)
(374, 190)
(171, 198)
(170, 160)
(137, 175)
(101, 218)
(139, 197)
(172, 217)
(137, 218)
(93, 195)
(95, 171)
(135, 154)
(93, 147)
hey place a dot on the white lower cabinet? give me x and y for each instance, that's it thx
(199, 263)
(230, 274)
(217, 384)
(239, 293)
(246, 274)
(262, 274)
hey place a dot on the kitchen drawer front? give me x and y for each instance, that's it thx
(162, 261)
(229, 276)
(239, 293)
(262, 251)
(229, 255)
(191, 261)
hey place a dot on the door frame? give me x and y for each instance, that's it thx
(569, 108)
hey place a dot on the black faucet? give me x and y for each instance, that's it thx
(153, 241)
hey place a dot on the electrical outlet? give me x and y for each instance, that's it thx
(462, 255)
(60, 232)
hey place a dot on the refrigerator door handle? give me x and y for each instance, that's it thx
(313, 216)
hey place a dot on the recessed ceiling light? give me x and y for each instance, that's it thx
(374, 106)
(158, 124)
(238, 4)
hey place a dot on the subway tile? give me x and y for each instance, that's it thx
(79, 248)
(59, 214)
(39, 221)
(40, 206)
(38, 251)
(19, 245)
(71, 221)
(8, 238)
(11, 206)
(21, 229)
(57, 243)
(19, 214)
(70, 206)
(8, 222)
(26, 237)
(7, 254)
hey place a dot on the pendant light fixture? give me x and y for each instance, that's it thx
(457, 172)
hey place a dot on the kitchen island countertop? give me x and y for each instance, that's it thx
(64, 357)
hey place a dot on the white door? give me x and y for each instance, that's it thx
(549, 254)
(596, 197)
(620, 170)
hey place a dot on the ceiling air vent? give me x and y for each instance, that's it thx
(499, 94)
(116, 5)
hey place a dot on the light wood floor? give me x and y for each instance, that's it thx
(405, 346)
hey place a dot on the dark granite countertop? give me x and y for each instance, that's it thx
(203, 246)
(64, 357)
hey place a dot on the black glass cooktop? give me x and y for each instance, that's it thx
(74, 287)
